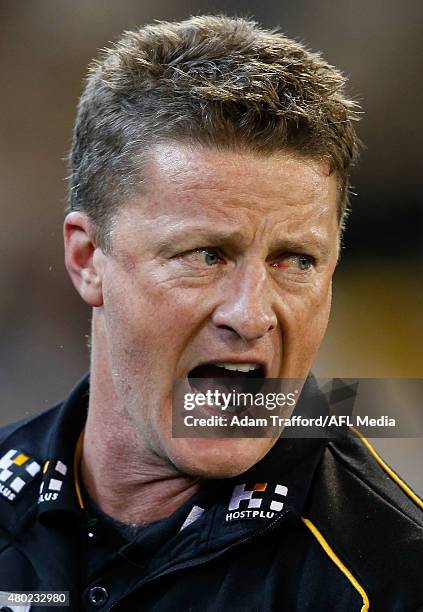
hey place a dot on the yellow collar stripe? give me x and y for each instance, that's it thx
(389, 471)
(76, 467)
(334, 557)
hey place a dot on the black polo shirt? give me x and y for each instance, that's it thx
(245, 543)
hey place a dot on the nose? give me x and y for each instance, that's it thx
(247, 304)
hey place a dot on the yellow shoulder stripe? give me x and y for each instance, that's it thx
(389, 471)
(334, 557)
(76, 465)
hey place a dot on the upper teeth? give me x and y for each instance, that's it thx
(239, 367)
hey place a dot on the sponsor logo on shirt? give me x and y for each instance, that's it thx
(16, 471)
(54, 474)
(262, 501)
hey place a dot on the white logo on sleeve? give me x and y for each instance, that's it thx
(16, 470)
(54, 473)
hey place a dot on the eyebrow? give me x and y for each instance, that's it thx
(317, 243)
(209, 235)
(238, 241)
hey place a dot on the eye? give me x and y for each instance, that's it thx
(302, 261)
(211, 256)
(305, 262)
(208, 256)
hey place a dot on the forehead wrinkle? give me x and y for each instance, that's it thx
(242, 202)
(192, 187)
(184, 173)
(223, 186)
(213, 235)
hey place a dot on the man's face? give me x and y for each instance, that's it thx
(228, 258)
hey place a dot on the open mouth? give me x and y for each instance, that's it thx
(227, 377)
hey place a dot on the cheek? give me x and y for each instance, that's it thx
(304, 323)
(150, 318)
(308, 304)
(320, 321)
(316, 312)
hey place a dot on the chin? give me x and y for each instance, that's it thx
(217, 457)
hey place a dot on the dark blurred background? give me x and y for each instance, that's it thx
(376, 328)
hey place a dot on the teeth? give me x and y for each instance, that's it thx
(238, 367)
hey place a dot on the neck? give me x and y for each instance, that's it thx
(135, 497)
(126, 480)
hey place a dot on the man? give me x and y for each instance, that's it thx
(208, 190)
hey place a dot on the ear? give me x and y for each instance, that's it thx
(82, 266)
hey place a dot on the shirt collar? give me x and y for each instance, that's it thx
(290, 464)
(276, 487)
(59, 488)
(293, 460)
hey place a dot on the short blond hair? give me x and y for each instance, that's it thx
(210, 80)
